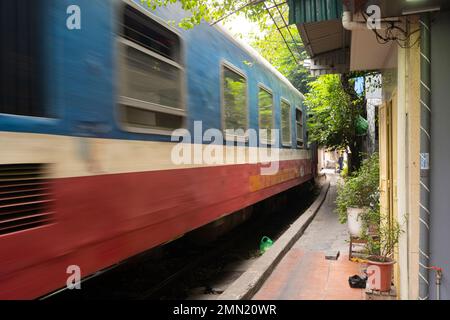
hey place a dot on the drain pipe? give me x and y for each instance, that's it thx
(349, 24)
(425, 141)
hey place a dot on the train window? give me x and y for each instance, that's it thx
(286, 123)
(234, 100)
(21, 58)
(307, 145)
(140, 29)
(265, 103)
(140, 118)
(299, 122)
(151, 75)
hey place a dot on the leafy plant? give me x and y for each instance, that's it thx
(334, 108)
(381, 243)
(270, 42)
(344, 172)
(330, 111)
(213, 10)
(360, 189)
(285, 58)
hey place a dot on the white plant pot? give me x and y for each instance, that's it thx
(355, 221)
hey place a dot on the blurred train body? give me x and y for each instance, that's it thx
(86, 176)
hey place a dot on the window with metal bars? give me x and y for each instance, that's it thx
(151, 75)
(21, 70)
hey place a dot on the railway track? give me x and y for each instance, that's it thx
(186, 270)
(154, 293)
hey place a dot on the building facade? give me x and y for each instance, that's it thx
(408, 43)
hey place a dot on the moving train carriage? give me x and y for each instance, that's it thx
(90, 93)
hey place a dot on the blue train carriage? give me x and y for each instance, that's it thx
(90, 94)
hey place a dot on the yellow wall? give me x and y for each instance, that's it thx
(399, 163)
(413, 138)
(407, 164)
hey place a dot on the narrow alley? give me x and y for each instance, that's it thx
(304, 273)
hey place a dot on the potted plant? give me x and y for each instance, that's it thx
(380, 245)
(358, 194)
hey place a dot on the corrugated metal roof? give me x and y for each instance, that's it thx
(326, 42)
(305, 11)
(321, 37)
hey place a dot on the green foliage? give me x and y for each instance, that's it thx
(344, 172)
(211, 10)
(361, 189)
(269, 43)
(381, 243)
(332, 113)
(273, 48)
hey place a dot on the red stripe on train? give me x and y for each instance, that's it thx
(101, 220)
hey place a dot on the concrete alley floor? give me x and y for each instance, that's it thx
(304, 273)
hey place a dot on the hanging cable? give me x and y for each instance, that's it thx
(281, 33)
(391, 35)
(286, 25)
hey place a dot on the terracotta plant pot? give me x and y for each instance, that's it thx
(380, 274)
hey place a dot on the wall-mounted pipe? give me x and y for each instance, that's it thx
(425, 142)
(350, 24)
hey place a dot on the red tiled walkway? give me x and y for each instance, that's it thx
(304, 273)
(307, 275)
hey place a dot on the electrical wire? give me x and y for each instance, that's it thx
(281, 33)
(391, 36)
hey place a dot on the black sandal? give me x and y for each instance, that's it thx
(357, 282)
